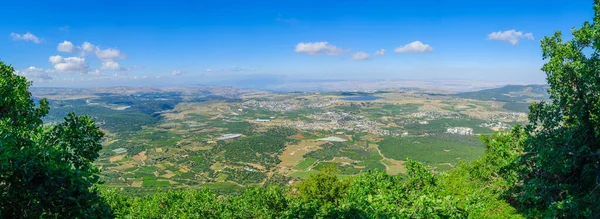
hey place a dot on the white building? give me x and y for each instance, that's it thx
(460, 130)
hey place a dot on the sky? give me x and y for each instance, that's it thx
(112, 43)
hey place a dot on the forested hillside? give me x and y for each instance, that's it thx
(549, 168)
(509, 93)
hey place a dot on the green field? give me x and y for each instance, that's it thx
(433, 149)
(303, 174)
(153, 182)
(306, 163)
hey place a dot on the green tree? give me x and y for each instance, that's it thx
(45, 171)
(417, 194)
(562, 154)
(484, 187)
(323, 187)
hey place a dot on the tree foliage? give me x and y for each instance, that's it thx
(45, 171)
(562, 153)
(323, 195)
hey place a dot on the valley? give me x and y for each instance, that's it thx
(226, 138)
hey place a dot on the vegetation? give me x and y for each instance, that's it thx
(517, 107)
(261, 149)
(45, 170)
(418, 194)
(561, 165)
(373, 195)
(115, 121)
(508, 93)
(306, 163)
(433, 149)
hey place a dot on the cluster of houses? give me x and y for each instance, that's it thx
(460, 130)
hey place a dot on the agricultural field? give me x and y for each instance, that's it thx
(226, 138)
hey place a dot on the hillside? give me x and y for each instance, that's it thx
(510, 93)
(516, 97)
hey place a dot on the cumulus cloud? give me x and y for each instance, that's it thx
(26, 37)
(110, 65)
(318, 48)
(35, 73)
(108, 54)
(65, 46)
(414, 47)
(88, 47)
(104, 55)
(176, 73)
(510, 36)
(208, 70)
(69, 64)
(380, 52)
(56, 59)
(360, 56)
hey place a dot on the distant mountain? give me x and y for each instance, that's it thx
(510, 93)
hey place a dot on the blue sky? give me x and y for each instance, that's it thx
(141, 42)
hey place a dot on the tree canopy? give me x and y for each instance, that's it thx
(562, 154)
(45, 171)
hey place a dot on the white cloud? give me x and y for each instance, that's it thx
(64, 28)
(65, 46)
(108, 54)
(360, 56)
(416, 46)
(176, 73)
(107, 57)
(34, 73)
(25, 37)
(56, 59)
(208, 70)
(88, 47)
(69, 64)
(380, 52)
(33, 68)
(110, 65)
(318, 48)
(510, 36)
